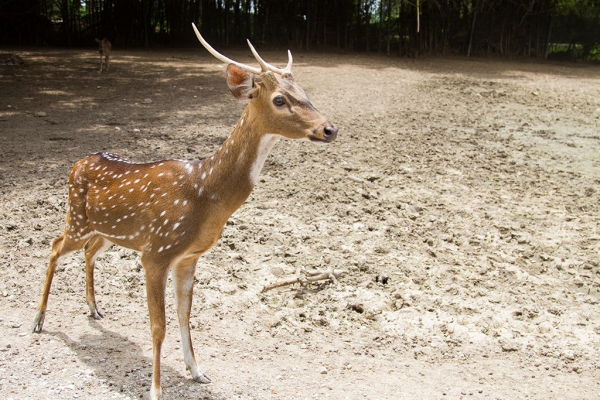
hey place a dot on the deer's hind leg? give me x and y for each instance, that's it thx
(76, 234)
(61, 246)
(93, 248)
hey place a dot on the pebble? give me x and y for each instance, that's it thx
(40, 114)
(545, 327)
(228, 288)
(509, 344)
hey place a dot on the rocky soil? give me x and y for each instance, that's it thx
(462, 197)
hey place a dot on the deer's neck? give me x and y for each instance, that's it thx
(233, 170)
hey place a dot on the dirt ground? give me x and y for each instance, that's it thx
(462, 197)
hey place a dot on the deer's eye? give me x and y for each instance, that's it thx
(279, 101)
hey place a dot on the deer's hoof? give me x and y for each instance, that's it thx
(202, 379)
(97, 315)
(38, 322)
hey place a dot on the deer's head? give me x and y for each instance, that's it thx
(277, 103)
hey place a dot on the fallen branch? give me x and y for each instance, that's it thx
(307, 277)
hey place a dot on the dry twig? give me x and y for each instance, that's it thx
(307, 277)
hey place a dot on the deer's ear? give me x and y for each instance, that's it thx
(240, 82)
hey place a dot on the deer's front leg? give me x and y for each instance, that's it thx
(183, 282)
(156, 282)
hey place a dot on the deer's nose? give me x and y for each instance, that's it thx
(330, 133)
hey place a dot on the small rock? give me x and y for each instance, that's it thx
(509, 344)
(545, 327)
(40, 114)
(323, 370)
(147, 101)
(569, 354)
(228, 288)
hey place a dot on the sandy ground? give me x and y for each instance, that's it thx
(462, 196)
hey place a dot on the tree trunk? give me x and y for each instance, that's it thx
(307, 24)
(389, 27)
(380, 27)
(548, 38)
(472, 31)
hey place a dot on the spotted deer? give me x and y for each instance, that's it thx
(173, 211)
(104, 48)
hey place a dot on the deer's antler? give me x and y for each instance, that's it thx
(268, 67)
(264, 66)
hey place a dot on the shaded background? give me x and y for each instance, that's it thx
(565, 29)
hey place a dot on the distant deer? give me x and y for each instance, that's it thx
(104, 48)
(173, 211)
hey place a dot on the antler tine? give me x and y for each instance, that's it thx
(263, 64)
(288, 67)
(221, 57)
(268, 67)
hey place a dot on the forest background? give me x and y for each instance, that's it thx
(541, 29)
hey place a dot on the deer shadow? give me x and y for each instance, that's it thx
(121, 365)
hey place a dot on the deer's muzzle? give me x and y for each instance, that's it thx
(325, 134)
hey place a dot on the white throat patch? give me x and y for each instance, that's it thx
(266, 144)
